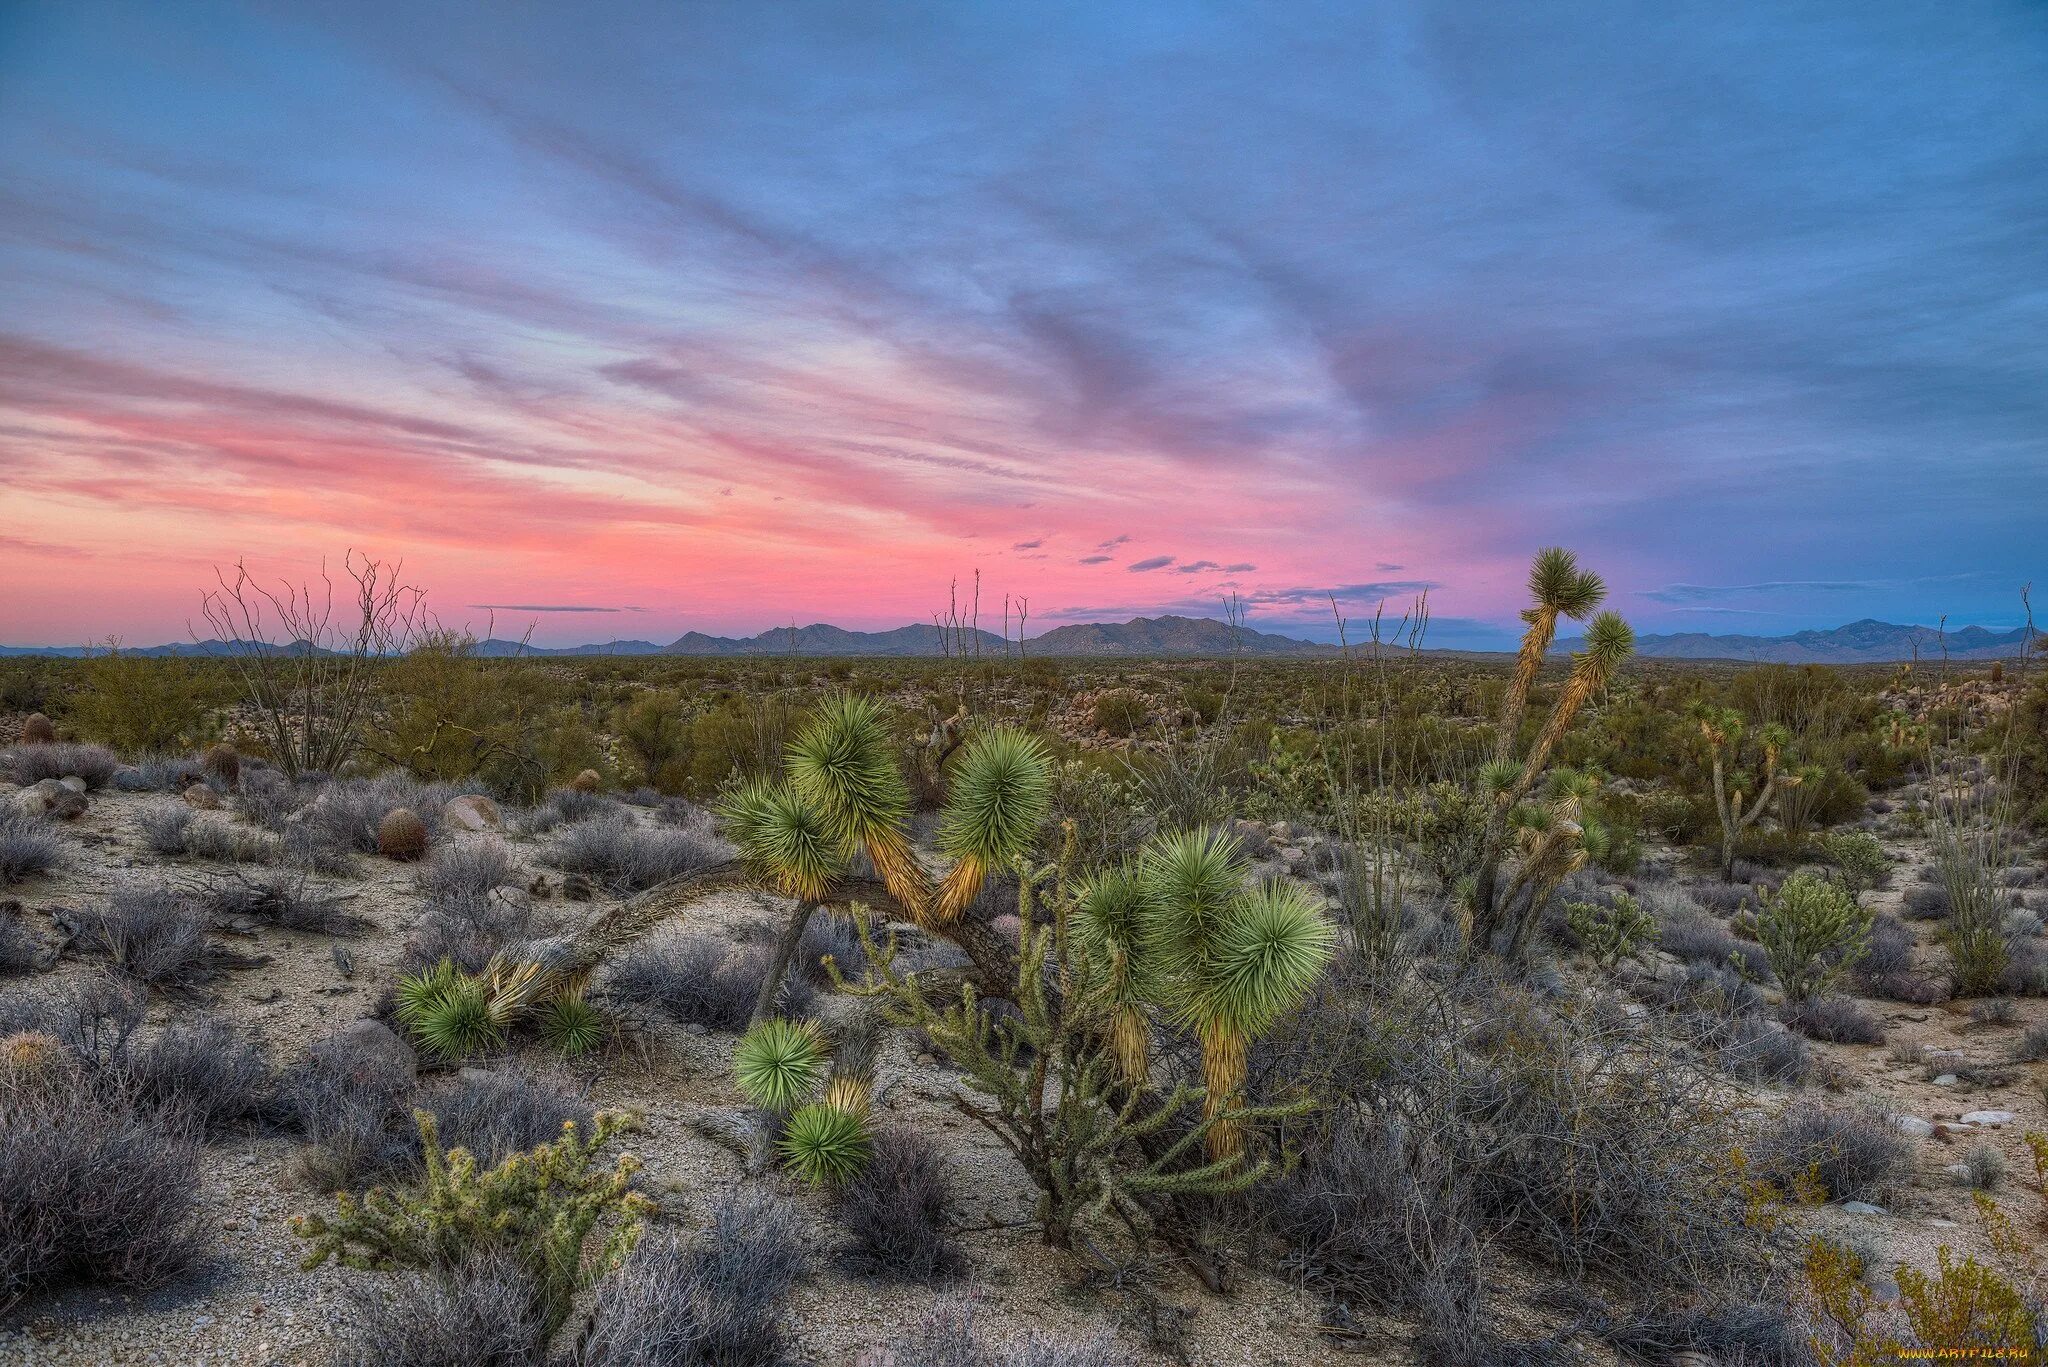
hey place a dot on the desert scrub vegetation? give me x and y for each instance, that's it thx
(29, 845)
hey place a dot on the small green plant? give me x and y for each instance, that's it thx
(1859, 859)
(449, 1012)
(828, 1141)
(780, 1063)
(1812, 932)
(567, 1222)
(571, 1024)
(1611, 932)
(1119, 712)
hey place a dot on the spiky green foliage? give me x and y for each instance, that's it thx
(779, 1063)
(843, 765)
(783, 840)
(571, 1024)
(1812, 932)
(565, 1220)
(1859, 859)
(1111, 924)
(1261, 959)
(1611, 931)
(1103, 1153)
(1557, 588)
(1192, 878)
(826, 1144)
(1000, 794)
(448, 1012)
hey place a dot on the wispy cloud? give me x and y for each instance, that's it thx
(1155, 562)
(547, 607)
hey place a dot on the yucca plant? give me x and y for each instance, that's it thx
(1609, 642)
(779, 1064)
(843, 766)
(448, 1012)
(571, 1024)
(826, 1143)
(1230, 960)
(1557, 588)
(787, 843)
(1001, 792)
(1112, 922)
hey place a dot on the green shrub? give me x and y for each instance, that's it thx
(1812, 931)
(139, 704)
(1859, 859)
(1610, 932)
(1119, 712)
(827, 1142)
(545, 1208)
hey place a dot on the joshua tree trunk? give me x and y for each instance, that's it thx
(778, 963)
(1225, 1058)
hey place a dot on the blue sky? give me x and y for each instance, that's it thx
(715, 315)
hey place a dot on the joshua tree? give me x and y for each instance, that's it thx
(1721, 732)
(1559, 588)
(1110, 924)
(1609, 642)
(846, 793)
(1229, 960)
(998, 799)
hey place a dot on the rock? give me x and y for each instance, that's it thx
(1988, 1117)
(201, 796)
(1251, 837)
(375, 1043)
(73, 782)
(1862, 1208)
(1290, 855)
(1947, 1080)
(52, 799)
(473, 812)
(1281, 831)
(1913, 1125)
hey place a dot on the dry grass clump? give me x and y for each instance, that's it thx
(96, 764)
(1850, 1153)
(149, 933)
(897, 1210)
(29, 845)
(622, 856)
(286, 898)
(700, 980)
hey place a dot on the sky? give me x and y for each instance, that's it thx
(615, 320)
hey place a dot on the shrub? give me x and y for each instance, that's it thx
(1849, 1154)
(566, 807)
(28, 846)
(1837, 1020)
(346, 814)
(1758, 1050)
(284, 898)
(467, 871)
(205, 1071)
(1119, 712)
(1686, 932)
(1983, 1168)
(896, 1210)
(97, 1189)
(20, 951)
(149, 934)
(1610, 931)
(354, 1109)
(543, 1209)
(2032, 1047)
(1886, 968)
(624, 857)
(65, 759)
(1925, 902)
(1859, 858)
(694, 979)
(717, 1300)
(482, 1312)
(142, 703)
(163, 826)
(495, 1115)
(469, 931)
(218, 839)
(1812, 931)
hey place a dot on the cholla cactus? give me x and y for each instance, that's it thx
(545, 1207)
(1812, 932)
(1611, 931)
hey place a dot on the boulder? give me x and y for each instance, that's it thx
(473, 812)
(1988, 1117)
(377, 1045)
(73, 782)
(1913, 1125)
(52, 799)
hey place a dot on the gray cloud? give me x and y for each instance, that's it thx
(1155, 562)
(1096, 559)
(546, 607)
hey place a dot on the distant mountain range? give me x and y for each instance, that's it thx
(1864, 642)
(1859, 643)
